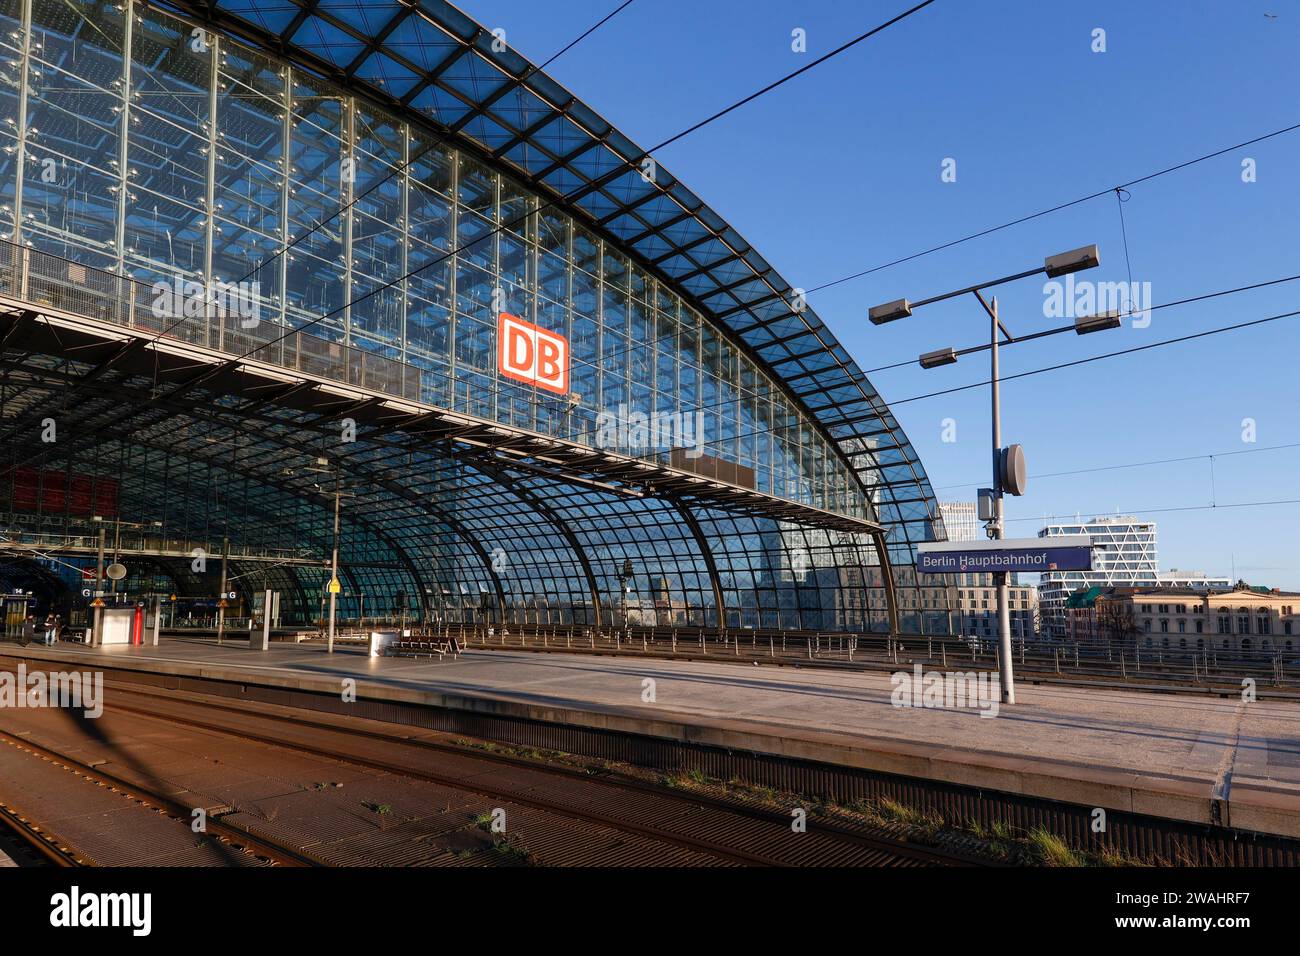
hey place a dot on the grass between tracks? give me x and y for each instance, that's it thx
(998, 841)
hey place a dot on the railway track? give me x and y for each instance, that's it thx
(28, 843)
(728, 830)
(260, 850)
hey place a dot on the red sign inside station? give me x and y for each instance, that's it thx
(59, 492)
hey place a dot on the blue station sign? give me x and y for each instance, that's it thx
(1061, 553)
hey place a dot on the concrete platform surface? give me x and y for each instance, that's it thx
(1187, 758)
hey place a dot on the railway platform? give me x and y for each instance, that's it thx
(1196, 760)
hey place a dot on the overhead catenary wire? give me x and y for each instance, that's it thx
(1181, 459)
(1097, 358)
(1031, 336)
(1167, 510)
(1051, 368)
(1053, 209)
(1036, 335)
(1063, 365)
(1119, 192)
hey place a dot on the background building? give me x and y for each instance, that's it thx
(976, 601)
(1242, 619)
(1124, 556)
(960, 521)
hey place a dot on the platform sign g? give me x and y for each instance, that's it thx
(529, 353)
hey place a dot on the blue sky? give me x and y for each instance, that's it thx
(839, 171)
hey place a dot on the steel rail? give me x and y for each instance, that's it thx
(239, 839)
(894, 847)
(52, 848)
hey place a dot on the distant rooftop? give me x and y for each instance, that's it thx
(1183, 592)
(1106, 519)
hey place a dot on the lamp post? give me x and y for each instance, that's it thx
(117, 553)
(323, 465)
(334, 565)
(221, 598)
(1006, 675)
(1008, 463)
(625, 575)
(99, 568)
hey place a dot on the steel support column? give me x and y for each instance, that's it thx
(707, 553)
(887, 572)
(24, 70)
(546, 511)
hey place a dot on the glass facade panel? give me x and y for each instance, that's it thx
(134, 141)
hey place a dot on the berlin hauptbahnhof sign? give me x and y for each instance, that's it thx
(1062, 553)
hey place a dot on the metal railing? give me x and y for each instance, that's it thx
(1119, 664)
(42, 279)
(39, 278)
(16, 538)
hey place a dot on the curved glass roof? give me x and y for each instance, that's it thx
(436, 63)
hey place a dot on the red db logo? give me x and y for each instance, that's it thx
(531, 354)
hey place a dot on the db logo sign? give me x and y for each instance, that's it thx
(531, 354)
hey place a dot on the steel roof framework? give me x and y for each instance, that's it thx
(430, 60)
(464, 531)
(499, 106)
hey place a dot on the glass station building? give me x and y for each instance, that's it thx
(374, 185)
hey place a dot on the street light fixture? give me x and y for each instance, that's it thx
(1076, 260)
(1008, 463)
(938, 357)
(890, 312)
(1097, 323)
